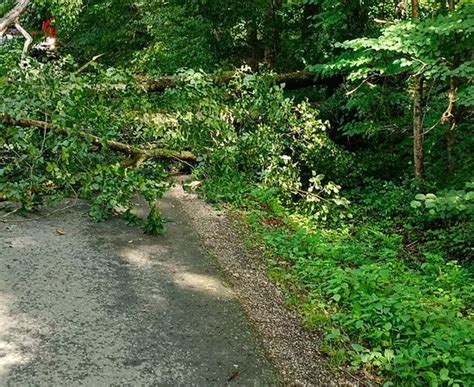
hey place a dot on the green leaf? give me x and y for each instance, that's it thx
(357, 347)
(444, 374)
(429, 203)
(389, 354)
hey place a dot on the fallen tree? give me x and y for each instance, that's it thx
(13, 17)
(138, 154)
(291, 81)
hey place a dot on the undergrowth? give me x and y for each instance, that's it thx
(382, 269)
(384, 287)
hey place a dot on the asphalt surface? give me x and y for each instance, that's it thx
(103, 304)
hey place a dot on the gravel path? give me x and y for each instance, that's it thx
(103, 304)
(293, 349)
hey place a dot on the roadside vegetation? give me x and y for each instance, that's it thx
(355, 181)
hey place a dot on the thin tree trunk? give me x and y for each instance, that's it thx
(450, 136)
(255, 49)
(27, 36)
(418, 112)
(273, 40)
(309, 11)
(418, 131)
(449, 114)
(13, 17)
(415, 9)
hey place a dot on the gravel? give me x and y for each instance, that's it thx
(292, 348)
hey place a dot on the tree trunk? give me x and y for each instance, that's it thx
(450, 143)
(418, 131)
(449, 114)
(309, 11)
(254, 45)
(418, 112)
(12, 16)
(415, 9)
(27, 36)
(273, 38)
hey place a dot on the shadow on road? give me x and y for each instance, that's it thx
(93, 304)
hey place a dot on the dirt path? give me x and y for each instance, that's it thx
(103, 304)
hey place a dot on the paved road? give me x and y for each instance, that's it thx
(103, 304)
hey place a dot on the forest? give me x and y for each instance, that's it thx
(340, 133)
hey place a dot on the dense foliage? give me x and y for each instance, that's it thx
(249, 131)
(387, 298)
(37, 164)
(359, 188)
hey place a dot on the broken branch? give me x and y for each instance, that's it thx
(143, 154)
(26, 35)
(12, 16)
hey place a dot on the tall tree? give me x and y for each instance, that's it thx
(273, 32)
(418, 111)
(448, 115)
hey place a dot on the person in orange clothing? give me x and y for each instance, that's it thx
(49, 42)
(47, 28)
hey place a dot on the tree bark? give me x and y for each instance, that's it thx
(418, 112)
(449, 114)
(12, 16)
(273, 33)
(254, 48)
(450, 138)
(415, 9)
(418, 130)
(142, 154)
(27, 36)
